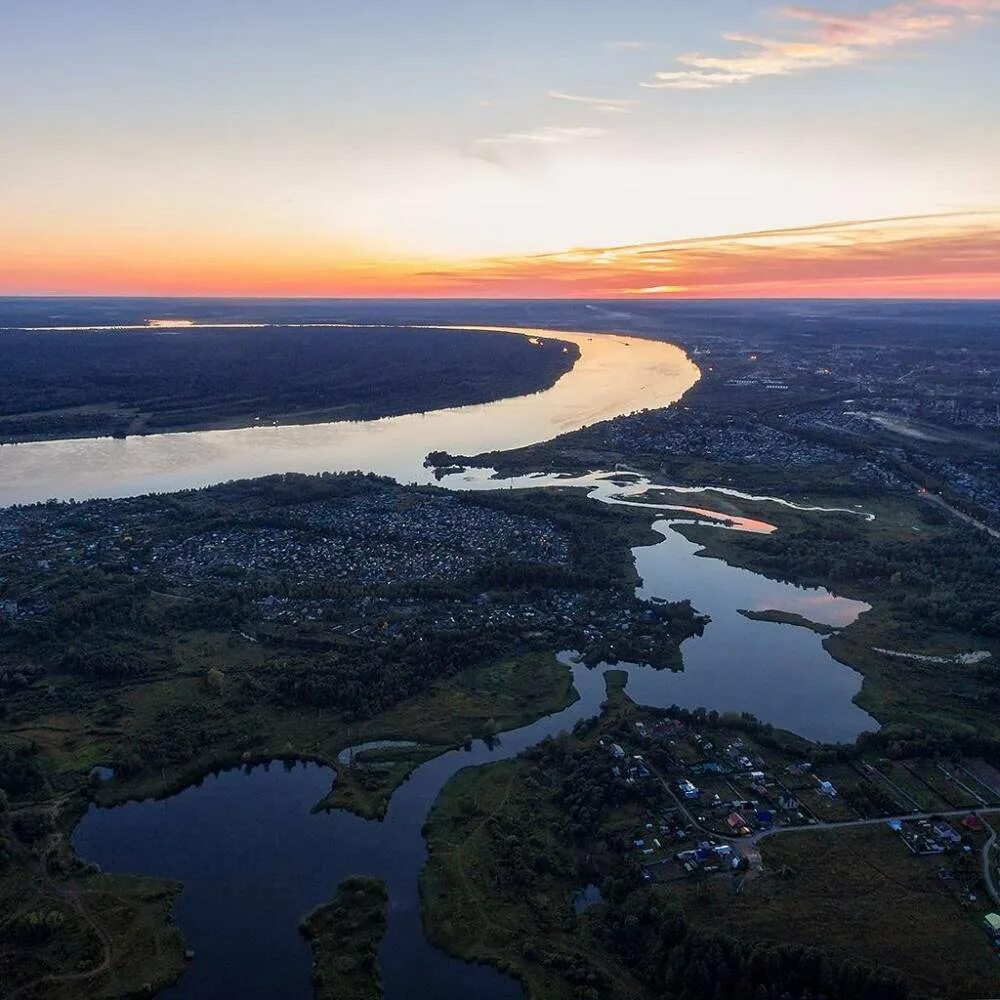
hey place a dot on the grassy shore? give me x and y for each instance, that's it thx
(855, 898)
(344, 935)
(86, 935)
(787, 618)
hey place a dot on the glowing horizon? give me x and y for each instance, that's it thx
(535, 151)
(948, 256)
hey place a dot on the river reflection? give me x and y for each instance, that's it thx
(254, 860)
(780, 673)
(613, 375)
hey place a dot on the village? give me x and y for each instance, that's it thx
(371, 564)
(715, 789)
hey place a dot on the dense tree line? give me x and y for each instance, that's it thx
(679, 962)
(193, 377)
(948, 579)
(360, 683)
(584, 786)
(20, 775)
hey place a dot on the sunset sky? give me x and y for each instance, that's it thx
(552, 148)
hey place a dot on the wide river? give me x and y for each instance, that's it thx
(252, 856)
(613, 375)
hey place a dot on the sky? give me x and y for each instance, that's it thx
(573, 148)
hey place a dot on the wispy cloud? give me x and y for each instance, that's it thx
(951, 254)
(627, 45)
(547, 135)
(609, 105)
(817, 39)
(975, 6)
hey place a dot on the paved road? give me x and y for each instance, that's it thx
(987, 867)
(852, 823)
(933, 498)
(747, 846)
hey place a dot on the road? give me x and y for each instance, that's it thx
(937, 501)
(849, 823)
(747, 845)
(987, 867)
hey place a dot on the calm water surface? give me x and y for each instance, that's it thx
(253, 858)
(254, 861)
(613, 375)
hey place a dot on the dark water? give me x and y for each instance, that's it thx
(780, 673)
(254, 861)
(252, 857)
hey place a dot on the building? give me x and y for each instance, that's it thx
(973, 823)
(688, 790)
(992, 924)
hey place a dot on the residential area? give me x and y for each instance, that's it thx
(717, 789)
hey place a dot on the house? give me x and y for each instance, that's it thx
(973, 823)
(686, 789)
(617, 752)
(946, 832)
(826, 788)
(992, 924)
(737, 823)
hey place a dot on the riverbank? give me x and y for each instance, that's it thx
(499, 888)
(787, 618)
(197, 377)
(344, 936)
(611, 376)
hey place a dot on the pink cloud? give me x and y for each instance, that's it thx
(818, 39)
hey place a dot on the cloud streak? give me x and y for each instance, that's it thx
(609, 105)
(949, 255)
(546, 135)
(933, 256)
(816, 39)
(627, 45)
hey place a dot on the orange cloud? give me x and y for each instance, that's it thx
(934, 256)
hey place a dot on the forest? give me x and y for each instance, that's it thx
(91, 383)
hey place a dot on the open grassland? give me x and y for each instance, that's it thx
(99, 936)
(480, 905)
(860, 894)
